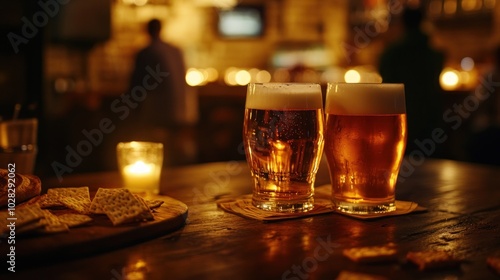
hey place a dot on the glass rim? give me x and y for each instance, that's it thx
(378, 85)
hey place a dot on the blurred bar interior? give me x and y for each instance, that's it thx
(70, 60)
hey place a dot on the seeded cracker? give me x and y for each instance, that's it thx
(431, 259)
(122, 207)
(371, 254)
(74, 220)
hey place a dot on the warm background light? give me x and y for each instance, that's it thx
(212, 74)
(450, 6)
(263, 76)
(230, 76)
(242, 77)
(352, 76)
(449, 79)
(467, 64)
(194, 77)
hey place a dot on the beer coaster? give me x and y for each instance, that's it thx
(242, 206)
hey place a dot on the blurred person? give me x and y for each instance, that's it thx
(165, 59)
(161, 115)
(412, 61)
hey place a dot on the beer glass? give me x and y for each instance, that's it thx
(365, 139)
(283, 140)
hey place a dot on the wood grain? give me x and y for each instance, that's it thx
(463, 202)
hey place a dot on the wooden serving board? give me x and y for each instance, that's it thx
(100, 235)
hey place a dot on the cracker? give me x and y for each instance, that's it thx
(23, 216)
(77, 199)
(147, 214)
(28, 214)
(153, 204)
(79, 204)
(52, 224)
(371, 254)
(31, 201)
(95, 206)
(74, 220)
(57, 196)
(122, 207)
(48, 224)
(47, 201)
(350, 275)
(494, 263)
(431, 259)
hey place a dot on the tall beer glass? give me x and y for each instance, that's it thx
(365, 139)
(283, 140)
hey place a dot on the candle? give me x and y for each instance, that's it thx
(141, 177)
(140, 165)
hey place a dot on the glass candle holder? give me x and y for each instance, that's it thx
(140, 165)
(18, 144)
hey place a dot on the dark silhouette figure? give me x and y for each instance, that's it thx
(164, 65)
(412, 61)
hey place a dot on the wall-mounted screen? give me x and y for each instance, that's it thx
(241, 22)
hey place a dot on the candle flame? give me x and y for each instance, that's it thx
(139, 167)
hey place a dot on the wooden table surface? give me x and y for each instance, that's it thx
(463, 202)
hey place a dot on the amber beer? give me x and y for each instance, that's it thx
(364, 145)
(283, 140)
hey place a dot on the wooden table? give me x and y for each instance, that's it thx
(463, 202)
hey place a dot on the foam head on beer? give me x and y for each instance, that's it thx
(365, 99)
(288, 96)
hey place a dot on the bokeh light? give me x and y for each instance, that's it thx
(263, 76)
(194, 77)
(467, 64)
(230, 76)
(449, 79)
(242, 77)
(352, 76)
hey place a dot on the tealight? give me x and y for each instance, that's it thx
(140, 165)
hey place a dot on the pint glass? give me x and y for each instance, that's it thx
(365, 139)
(283, 140)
